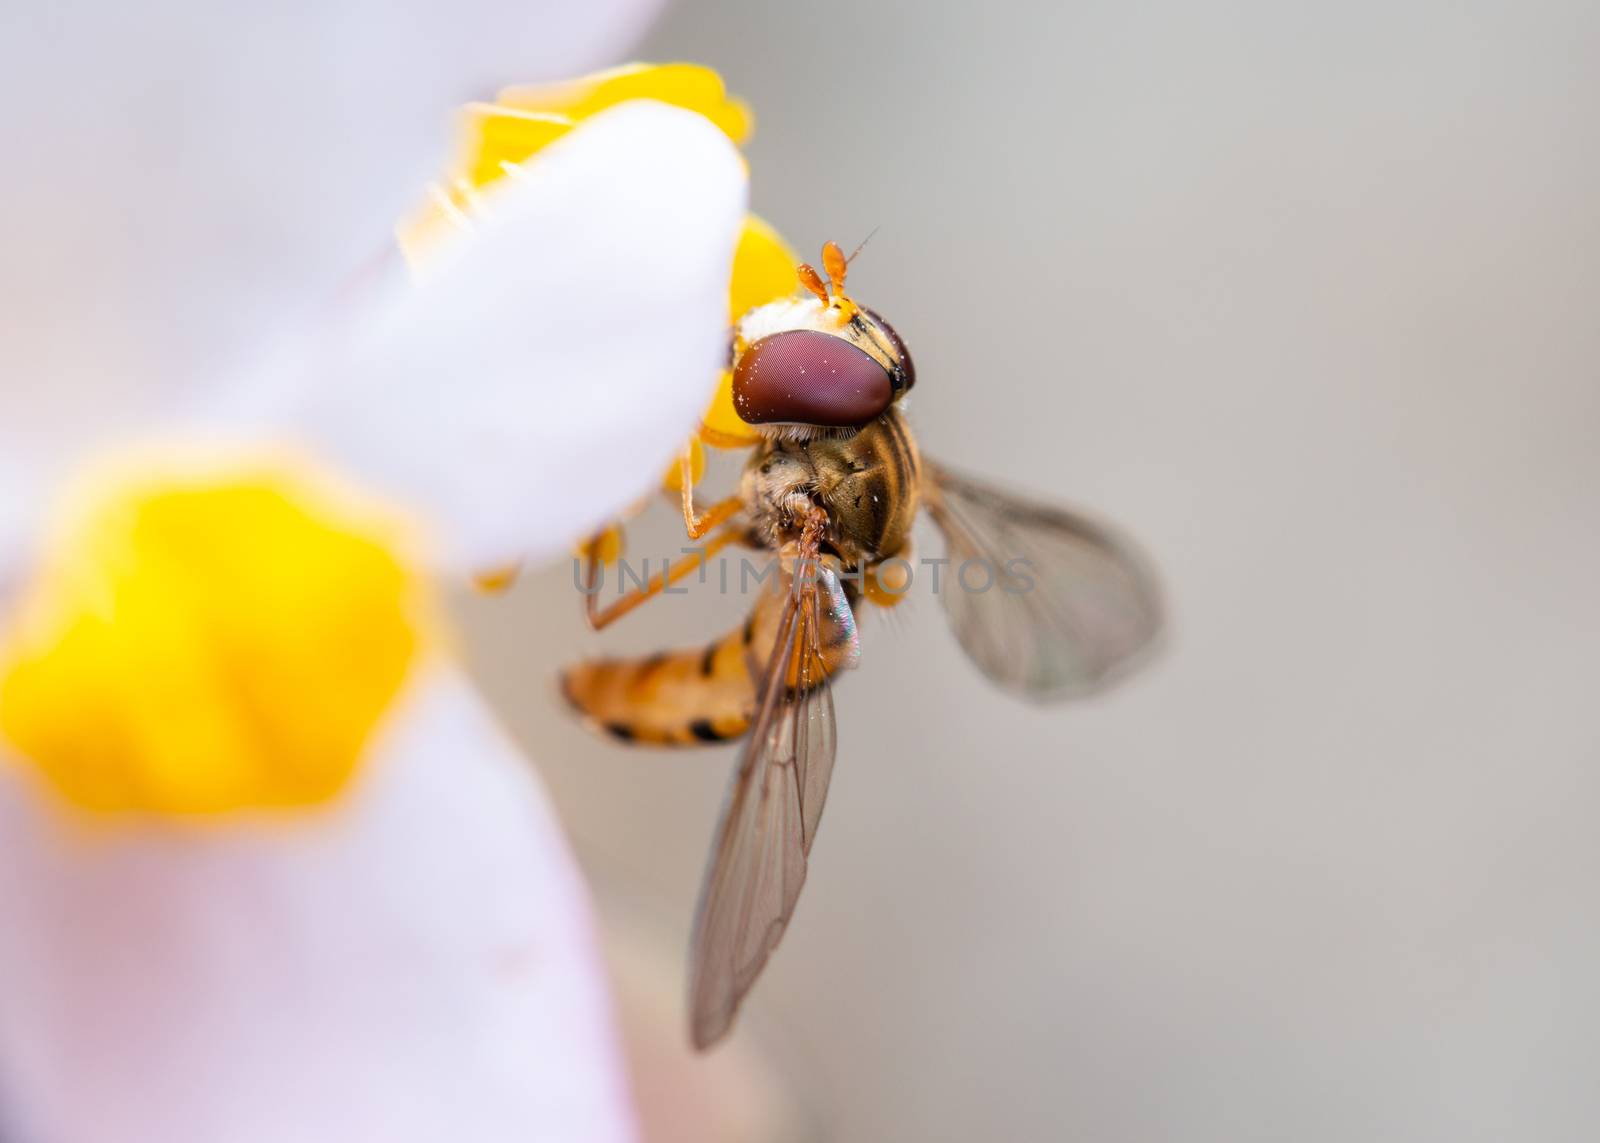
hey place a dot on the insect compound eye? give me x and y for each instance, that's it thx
(908, 371)
(807, 377)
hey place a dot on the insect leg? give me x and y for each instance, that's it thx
(602, 548)
(671, 574)
(698, 526)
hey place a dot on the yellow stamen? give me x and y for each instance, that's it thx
(498, 137)
(497, 580)
(605, 546)
(763, 271)
(208, 641)
(691, 86)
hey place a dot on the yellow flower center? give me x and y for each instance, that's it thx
(208, 641)
(522, 121)
(763, 271)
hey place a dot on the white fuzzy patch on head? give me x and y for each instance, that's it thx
(779, 316)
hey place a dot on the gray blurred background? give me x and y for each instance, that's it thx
(1305, 297)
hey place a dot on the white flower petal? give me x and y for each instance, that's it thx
(184, 178)
(414, 964)
(541, 377)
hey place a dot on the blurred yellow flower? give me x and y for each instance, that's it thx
(763, 271)
(207, 641)
(523, 120)
(242, 634)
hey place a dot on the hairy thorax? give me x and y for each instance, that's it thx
(866, 482)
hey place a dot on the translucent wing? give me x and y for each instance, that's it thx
(770, 820)
(1052, 605)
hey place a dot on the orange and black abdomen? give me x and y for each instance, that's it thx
(687, 697)
(700, 694)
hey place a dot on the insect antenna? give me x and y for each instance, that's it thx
(862, 243)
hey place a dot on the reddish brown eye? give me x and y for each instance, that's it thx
(908, 371)
(806, 377)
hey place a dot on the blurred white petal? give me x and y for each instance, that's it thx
(736, 1094)
(416, 964)
(184, 178)
(543, 375)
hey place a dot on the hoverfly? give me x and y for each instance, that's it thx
(832, 491)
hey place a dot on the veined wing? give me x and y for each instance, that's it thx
(758, 863)
(1069, 607)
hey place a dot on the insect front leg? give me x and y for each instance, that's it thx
(600, 618)
(723, 510)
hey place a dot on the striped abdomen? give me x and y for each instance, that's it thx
(695, 695)
(674, 698)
